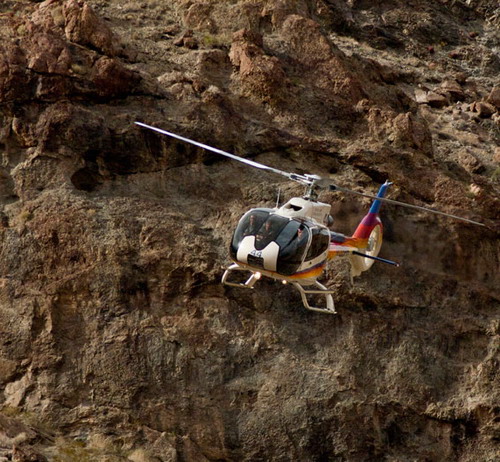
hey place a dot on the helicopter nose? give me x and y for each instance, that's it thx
(267, 258)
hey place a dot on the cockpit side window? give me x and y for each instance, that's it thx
(288, 233)
(319, 243)
(293, 244)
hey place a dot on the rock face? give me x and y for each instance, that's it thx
(117, 341)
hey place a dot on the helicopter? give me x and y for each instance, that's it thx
(293, 243)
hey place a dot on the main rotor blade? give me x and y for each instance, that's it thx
(309, 180)
(292, 176)
(404, 204)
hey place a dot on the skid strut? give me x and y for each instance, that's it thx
(330, 307)
(255, 276)
(250, 282)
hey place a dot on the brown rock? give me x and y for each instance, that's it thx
(325, 65)
(84, 27)
(45, 50)
(470, 162)
(47, 53)
(494, 98)
(401, 130)
(436, 100)
(112, 79)
(452, 88)
(191, 43)
(14, 429)
(421, 96)
(249, 37)
(27, 454)
(198, 17)
(112, 317)
(213, 64)
(279, 10)
(185, 35)
(483, 109)
(7, 368)
(455, 54)
(199, 86)
(140, 455)
(243, 48)
(171, 30)
(496, 118)
(496, 155)
(306, 41)
(261, 74)
(461, 77)
(412, 131)
(463, 107)
(49, 16)
(15, 81)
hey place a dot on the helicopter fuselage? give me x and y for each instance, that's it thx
(289, 243)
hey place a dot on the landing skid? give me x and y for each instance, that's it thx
(255, 276)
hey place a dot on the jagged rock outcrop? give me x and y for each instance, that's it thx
(117, 341)
(263, 75)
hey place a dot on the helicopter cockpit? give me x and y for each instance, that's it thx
(268, 241)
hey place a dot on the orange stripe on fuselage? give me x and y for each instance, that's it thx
(349, 244)
(309, 273)
(313, 272)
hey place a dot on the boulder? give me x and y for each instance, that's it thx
(47, 53)
(76, 21)
(483, 109)
(45, 63)
(494, 98)
(261, 75)
(278, 11)
(198, 17)
(306, 42)
(421, 96)
(452, 89)
(470, 162)
(15, 81)
(436, 100)
(112, 79)
(84, 27)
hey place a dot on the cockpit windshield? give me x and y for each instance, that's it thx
(269, 231)
(250, 225)
(291, 235)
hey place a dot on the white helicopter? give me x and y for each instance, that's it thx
(293, 243)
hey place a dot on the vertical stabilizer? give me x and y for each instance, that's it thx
(371, 219)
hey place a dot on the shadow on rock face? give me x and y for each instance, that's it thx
(86, 179)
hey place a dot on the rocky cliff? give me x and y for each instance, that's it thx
(117, 340)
